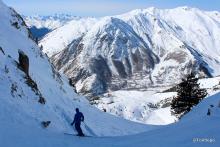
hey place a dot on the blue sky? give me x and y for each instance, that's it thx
(102, 7)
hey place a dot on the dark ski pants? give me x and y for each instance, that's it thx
(78, 129)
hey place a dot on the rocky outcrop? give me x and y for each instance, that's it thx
(24, 62)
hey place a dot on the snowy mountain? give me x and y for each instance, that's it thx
(32, 92)
(41, 25)
(51, 22)
(137, 50)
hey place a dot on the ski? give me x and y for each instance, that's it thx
(76, 135)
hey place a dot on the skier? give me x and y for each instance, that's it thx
(209, 112)
(77, 121)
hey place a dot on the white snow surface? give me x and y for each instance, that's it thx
(140, 106)
(196, 129)
(62, 37)
(19, 104)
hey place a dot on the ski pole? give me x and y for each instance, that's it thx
(89, 130)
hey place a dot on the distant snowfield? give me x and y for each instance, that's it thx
(51, 22)
(145, 107)
(148, 107)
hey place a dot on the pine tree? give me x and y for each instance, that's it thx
(189, 94)
(37, 40)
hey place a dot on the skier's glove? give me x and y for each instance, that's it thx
(71, 124)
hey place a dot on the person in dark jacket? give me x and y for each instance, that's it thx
(77, 121)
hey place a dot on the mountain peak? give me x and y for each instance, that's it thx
(149, 42)
(184, 7)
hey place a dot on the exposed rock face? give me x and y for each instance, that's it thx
(24, 62)
(137, 50)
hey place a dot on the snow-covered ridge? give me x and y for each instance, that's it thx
(32, 91)
(51, 21)
(138, 49)
(81, 26)
(42, 25)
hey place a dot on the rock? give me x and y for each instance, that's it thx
(23, 62)
(45, 124)
(42, 100)
(2, 50)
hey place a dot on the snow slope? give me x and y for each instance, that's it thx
(196, 129)
(64, 35)
(20, 92)
(138, 49)
(141, 106)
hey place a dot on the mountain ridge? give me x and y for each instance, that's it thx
(165, 48)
